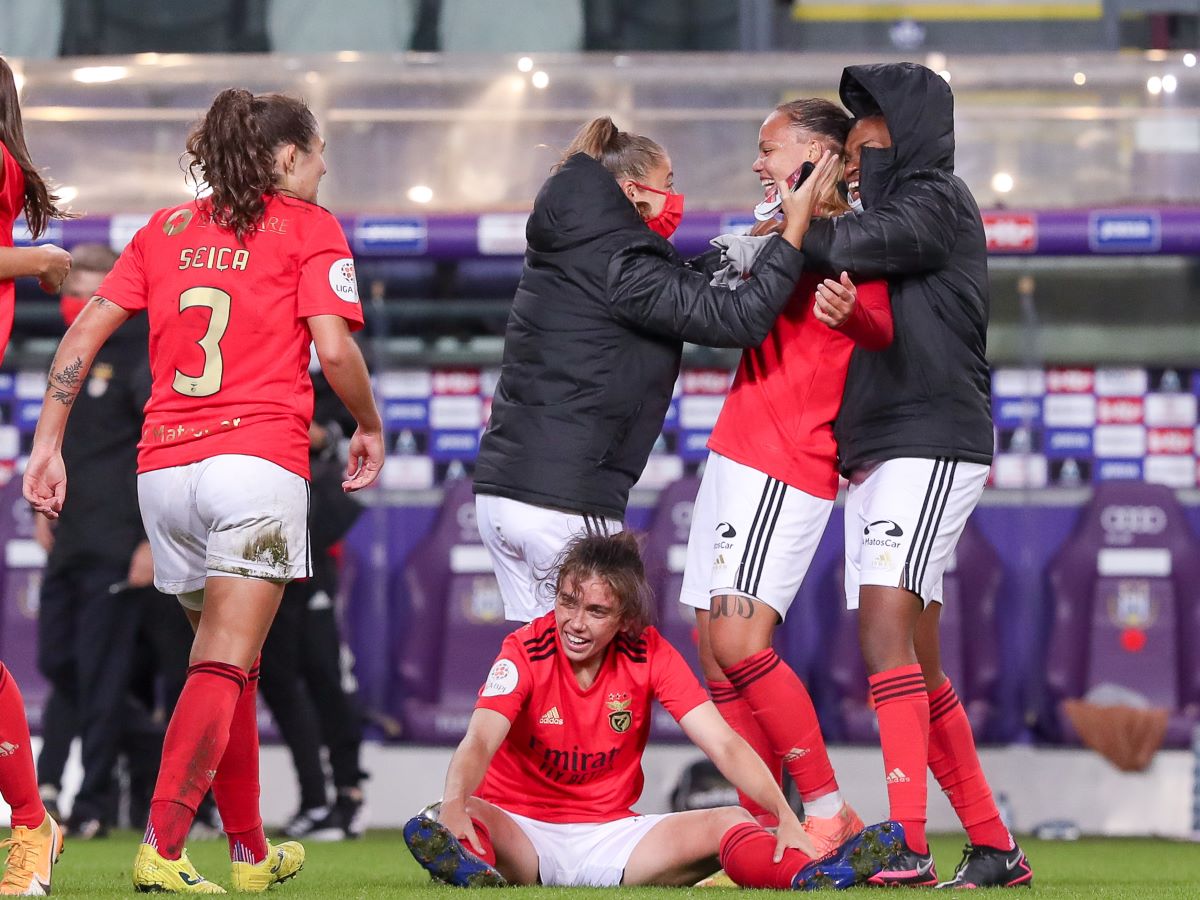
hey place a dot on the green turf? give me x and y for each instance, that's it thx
(380, 866)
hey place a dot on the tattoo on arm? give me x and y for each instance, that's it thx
(64, 384)
(102, 303)
(731, 606)
(70, 375)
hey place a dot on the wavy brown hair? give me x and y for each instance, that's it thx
(41, 204)
(615, 559)
(232, 150)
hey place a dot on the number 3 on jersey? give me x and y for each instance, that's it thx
(208, 382)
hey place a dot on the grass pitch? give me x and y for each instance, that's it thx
(380, 866)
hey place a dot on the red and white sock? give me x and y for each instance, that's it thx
(18, 778)
(902, 705)
(236, 785)
(785, 712)
(954, 762)
(737, 712)
(194, 745)
(748, 858)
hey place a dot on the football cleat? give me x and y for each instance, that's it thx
(908, 869)
(281, 863)
(870, 851)
(444, 857)
(990, 867)
(154, 874)
(32, 853)
(827, 834)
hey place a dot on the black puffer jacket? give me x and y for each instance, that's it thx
(928, 394)
(594, 342)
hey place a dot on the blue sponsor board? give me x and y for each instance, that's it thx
(386, 235)
(52, 235)
(1013, 412)
(1124, 232)
(671, 420)
(1060, 443)
(1118, 470)
(8, 384)
(406, 413)
(737, 224)
(462, 444)
(27, 415)
(693, 445)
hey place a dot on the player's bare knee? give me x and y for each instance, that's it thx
(733, 633)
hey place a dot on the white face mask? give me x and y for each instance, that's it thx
(856, 204)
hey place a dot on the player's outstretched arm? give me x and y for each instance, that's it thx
(485, 734)
(746, 771)
(346, 370)
(45, 481)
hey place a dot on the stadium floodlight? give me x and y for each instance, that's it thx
(525, 64)
(1080, 79)
(1154, 85)
(420, 193)
(540, 80)
(1002, 182)
(1169, 83)
(99, 74)
(1189, 60)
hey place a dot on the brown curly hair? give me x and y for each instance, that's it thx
(232, 150)
(615, 559)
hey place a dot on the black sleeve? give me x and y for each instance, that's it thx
(913, 232)
(706, 263)
(653, 291)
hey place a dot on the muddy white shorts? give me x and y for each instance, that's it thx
(226, 515)
(524, 542)
(903, 520)
(752, 535)
(587, 854)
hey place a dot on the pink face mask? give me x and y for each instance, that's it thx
(665, 223)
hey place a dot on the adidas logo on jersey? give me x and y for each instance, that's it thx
(551, 717)
(897, 776)
(795, 753)
(7, 748)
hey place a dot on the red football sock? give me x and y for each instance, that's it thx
(747, 856)
(784, 711)
(485, 841)
(18, 779)
(236, 788)
(737, 712)
(192, 750)
(902, 706)
(955, 764)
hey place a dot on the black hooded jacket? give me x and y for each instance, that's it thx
(594, 341)
(928, 394)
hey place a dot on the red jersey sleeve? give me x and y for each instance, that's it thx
(328, 286)
(126, 284)
(509, 681)
(870, 323)
(673, 683)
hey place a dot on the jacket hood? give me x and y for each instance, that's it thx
(579, 202)
(919, 109)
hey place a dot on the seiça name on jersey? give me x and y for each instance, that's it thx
(220, 258)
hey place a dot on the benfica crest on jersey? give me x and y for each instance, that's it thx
(621, 717)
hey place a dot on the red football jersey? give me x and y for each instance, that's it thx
(12, 202)
(575, 755)
(229, 347)
(778, 417)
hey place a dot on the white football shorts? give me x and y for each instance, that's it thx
(227, 515)
(524, 542)
(587, 854)
(752, 535)
(903, 520)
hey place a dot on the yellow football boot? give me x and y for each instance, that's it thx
(152, 874)
(282, 862)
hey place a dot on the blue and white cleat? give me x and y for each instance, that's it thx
(856, 861)
(444, 857)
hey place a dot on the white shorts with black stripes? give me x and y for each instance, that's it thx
(752, 535)
(524, 542)
(903, 521)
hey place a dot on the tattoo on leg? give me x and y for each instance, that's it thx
(731, 606)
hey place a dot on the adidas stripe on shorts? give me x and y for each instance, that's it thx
(524, 542)
(752, 535)
(903, 521)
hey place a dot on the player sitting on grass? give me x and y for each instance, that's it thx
(541, 788)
